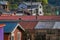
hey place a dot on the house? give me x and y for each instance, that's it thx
(13, 31)
(34, 7)
(46, 30)
(42, 30)
(4, 5)
(1, 31)
(28, 26)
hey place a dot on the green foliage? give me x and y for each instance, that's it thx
(45, 1)
(13, 6)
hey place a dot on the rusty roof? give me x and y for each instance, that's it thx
(28, 25)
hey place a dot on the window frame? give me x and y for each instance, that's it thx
(19, 35)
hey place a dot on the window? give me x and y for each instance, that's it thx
(40, 6)
(12, 36)
(40, 12)
(51, 31)
(18, 35)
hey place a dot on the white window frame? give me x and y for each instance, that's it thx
(12, 35)
(19, 36)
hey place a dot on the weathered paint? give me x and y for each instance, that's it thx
(1, 34)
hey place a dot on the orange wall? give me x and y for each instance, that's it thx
(15, 34)
(7, 36)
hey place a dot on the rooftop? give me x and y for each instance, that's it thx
(31, 18)
(2, 25)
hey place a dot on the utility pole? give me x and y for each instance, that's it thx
(31, 7)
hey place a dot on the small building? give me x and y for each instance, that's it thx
(28, 26)
(13, 31)
(35, 7)
(42, 30)
(4, 5)
(1, 31)
(47, 30)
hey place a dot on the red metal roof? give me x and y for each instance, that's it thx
(28, 25)
(2, 25)
(30, 17)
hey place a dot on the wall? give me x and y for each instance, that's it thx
(6, 36)
(1, 34)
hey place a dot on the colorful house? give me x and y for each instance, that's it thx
(1, 31)
(13, 31)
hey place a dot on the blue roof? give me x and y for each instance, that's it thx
(9, 27)
(32, 6)
(22, 6)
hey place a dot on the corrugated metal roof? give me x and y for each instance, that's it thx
(57, 25)
(9, 27)
(43, 25)
(56, 18)
(48, 25)
(28, 25)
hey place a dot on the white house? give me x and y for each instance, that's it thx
(35, 7)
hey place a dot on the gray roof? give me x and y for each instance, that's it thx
(33, 3)
(48, 25)
(57, 25)
(4, 2)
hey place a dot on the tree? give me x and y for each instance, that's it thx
(45, 1)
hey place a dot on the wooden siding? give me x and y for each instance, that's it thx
(8, 36)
